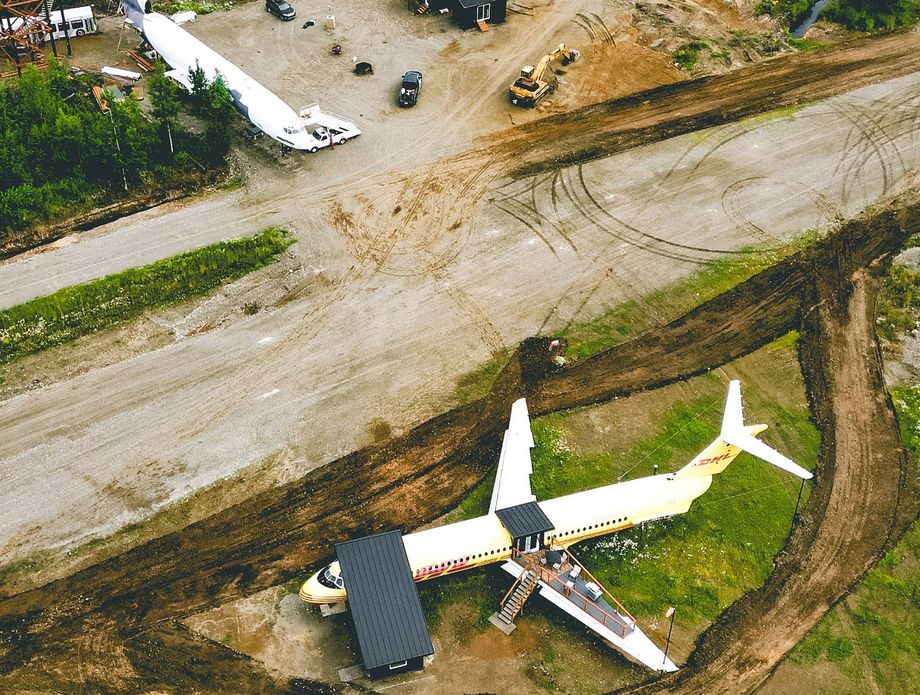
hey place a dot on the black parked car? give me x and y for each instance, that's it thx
(410, 88)
(280, 9)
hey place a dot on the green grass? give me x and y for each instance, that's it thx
(687, 55)
(805, 44)
(898, 303)
(628, 319)
(907, 404)
(478, 591)
(701, 561)
(196, 6)
(82, 309)
(476, 384)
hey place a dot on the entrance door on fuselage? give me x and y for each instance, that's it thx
(529, 544)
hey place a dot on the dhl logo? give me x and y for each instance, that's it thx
(713, 459)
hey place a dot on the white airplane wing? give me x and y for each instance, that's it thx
(635, 644)
(512, 480)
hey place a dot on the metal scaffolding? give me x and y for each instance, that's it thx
(26, 32)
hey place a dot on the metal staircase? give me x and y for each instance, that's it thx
(517, 595)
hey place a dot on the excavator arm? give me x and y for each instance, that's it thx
(530, 87)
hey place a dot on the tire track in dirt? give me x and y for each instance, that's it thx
(602, 129)
(867, 492)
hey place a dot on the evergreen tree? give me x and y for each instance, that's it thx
(218, 114)
(164, 93)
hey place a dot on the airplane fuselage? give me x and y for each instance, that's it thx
(481, 541)
(182, 52)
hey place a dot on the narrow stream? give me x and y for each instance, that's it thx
(803, 26)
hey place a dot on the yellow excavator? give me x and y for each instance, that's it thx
(530, 87)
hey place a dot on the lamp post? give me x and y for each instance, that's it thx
(668, 614)
(802, 487)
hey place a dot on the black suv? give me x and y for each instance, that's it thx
(410, 87)
(280, 9)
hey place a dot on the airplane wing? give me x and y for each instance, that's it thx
(619, 630)
(512, 480)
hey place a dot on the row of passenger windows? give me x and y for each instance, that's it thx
(450, 563)
(589, 528)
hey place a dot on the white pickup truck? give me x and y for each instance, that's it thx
(327, 128)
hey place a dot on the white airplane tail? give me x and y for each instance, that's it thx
(135, 10)
(734, 438)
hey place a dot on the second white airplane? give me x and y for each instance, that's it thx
(183, 52)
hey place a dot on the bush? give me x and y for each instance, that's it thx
(686, 56)
(872, 15)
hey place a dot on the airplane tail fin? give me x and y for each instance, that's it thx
(734, 438)
(135, 10)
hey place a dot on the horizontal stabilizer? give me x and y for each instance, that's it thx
(734, 438)
(755, 447)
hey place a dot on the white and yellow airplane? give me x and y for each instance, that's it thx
(476, 542)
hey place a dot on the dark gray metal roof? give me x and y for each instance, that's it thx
(524, 519)
(467, 4)
(383, 600)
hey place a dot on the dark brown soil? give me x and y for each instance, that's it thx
(867, 493)
(112, 627)
(116, 621)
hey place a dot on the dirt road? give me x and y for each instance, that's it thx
(438, 268)
(114, 621)
(867, 492)
(545, 145)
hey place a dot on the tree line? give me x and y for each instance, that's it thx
(60, 153)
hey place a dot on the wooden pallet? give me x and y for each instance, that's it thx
(483, 25)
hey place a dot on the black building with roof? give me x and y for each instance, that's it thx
(384, 604)
(467, 12)
(527, 525)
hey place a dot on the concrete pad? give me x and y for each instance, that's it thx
(501, 624)
(328, 609)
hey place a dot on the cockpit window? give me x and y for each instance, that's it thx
(294, 130)
(330, 580)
